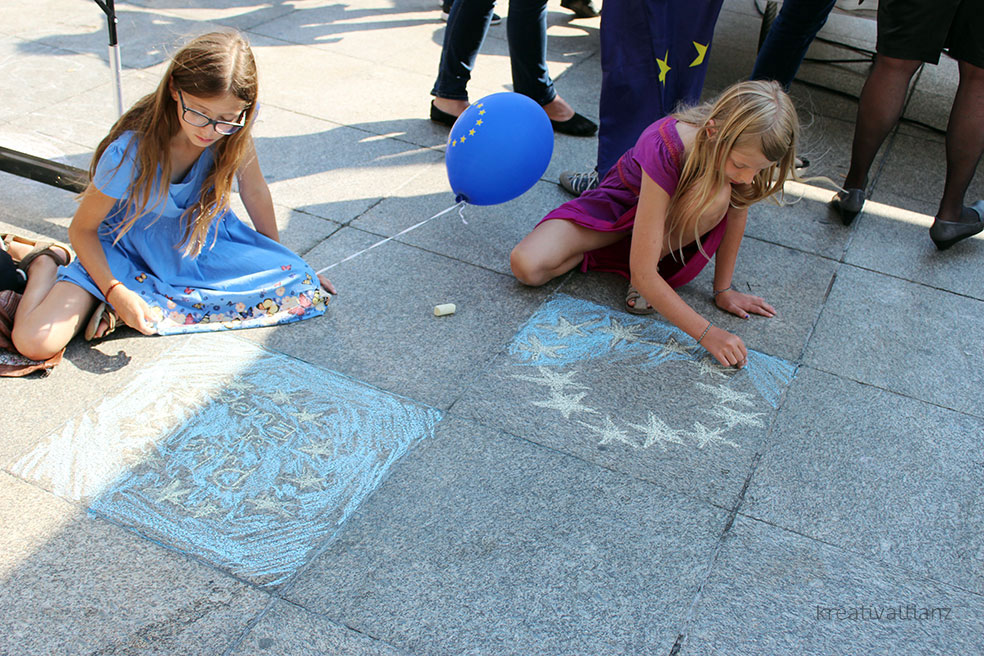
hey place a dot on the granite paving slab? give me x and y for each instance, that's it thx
(902, 336)
(71, 584)
(631, 394)
(916, 168)
(894, 239)
(775, 592)
(233, 13)
(330, 170)
(480, 235)
(354, 92)
(244, 458)
(35, 407)
(289, 630)
(484, 543)
(883, 475)
(381, 327)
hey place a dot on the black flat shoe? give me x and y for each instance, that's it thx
(576, 126)
(849, 204)
(947, 233)
(442, 117)
(581, 8)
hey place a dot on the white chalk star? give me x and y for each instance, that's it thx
(565, 328)
(554, 380)
(307, 479)
(237, 384)
(704, 436)
(172, 492)
(565, 405)
(673, 347)
(659, 432)
(611, 433)
(305, 416)
(205, 510)
(279, 397)
(727, 395)
(537, 349)
(732, 417)
(621, 333)
(319, 449)
(709, 367)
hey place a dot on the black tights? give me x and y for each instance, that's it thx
(880, 107)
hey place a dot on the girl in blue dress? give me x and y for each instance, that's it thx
(158, 245)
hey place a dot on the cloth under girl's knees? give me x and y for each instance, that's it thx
(11, 277)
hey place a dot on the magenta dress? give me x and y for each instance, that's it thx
(611, 207)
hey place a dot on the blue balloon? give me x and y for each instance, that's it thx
(499, 147)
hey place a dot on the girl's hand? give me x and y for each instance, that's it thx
(741, 304)
(726, 348)
(326, 284)
(132, 309)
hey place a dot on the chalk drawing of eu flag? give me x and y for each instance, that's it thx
(245, 458)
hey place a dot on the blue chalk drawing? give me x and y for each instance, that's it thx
(253, 470)
(566, 332)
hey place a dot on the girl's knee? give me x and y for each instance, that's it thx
(526, 266)
(33, 343)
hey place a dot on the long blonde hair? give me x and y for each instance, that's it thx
(207, 66)
(754, 113)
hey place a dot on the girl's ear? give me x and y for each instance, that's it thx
(711, 130)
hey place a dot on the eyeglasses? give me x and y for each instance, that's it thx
(199, 120)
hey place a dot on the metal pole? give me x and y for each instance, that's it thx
(115, 64)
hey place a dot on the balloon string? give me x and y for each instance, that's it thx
(457, 206)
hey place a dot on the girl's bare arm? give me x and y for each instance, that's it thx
(255, 194)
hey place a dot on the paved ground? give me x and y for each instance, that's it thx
(538, 473)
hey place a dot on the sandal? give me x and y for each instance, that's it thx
(102, 311)
(56, 251)
(640, 305)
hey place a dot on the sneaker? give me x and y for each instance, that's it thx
(576, 183)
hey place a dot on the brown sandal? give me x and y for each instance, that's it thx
(639, 304)
(101, 312)
(56, 251)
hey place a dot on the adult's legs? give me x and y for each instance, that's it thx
(964, 143)
(468, 22)
(789, 38)
(526, 30)
(653, 56)
(555, 247)
(879, 109)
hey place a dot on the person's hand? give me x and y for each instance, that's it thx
(726, 348)
(741, 304)
(132, 309)
(326, 284)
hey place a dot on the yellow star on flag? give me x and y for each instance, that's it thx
(663, 66)
(701, 51)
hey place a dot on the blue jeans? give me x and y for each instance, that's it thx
(639, 40)
(789, 38)
(526, 30)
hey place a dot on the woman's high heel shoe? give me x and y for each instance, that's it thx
(848, 204)
(947, 233)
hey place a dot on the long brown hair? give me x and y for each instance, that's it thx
(753, 113)
(207, 66)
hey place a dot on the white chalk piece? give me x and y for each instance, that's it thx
(446, 308)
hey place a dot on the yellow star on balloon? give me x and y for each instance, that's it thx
(478, 122)
(663, 66)
(463, 139)
(472, 132)
(701, 51)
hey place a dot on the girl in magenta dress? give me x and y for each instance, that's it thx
(679, 196)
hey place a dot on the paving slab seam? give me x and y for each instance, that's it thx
(915, 282)
(915, 576)
(893, 392)
(689, 618)
(250, 625)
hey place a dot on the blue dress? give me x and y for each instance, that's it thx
(240, 279)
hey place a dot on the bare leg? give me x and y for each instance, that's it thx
(879, 110)
(50, 313)
(964, 144)
(555, 247)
